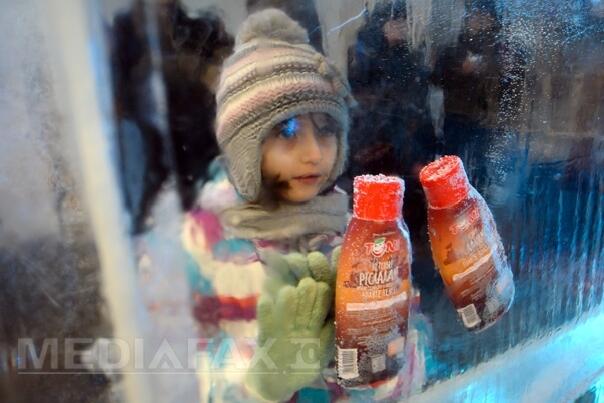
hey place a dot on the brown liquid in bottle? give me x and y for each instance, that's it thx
(373, 285)
(465, 245)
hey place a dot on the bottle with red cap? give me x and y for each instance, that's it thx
(373, 285)
(466, 246)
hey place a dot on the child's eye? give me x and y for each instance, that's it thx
(289, 128)
(327, 131)
(325, 126)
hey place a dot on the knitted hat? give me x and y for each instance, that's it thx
(273, 75)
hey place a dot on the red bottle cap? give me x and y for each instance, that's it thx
(378, 197)
(444, 181)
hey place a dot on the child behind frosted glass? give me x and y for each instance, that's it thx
(262, 234)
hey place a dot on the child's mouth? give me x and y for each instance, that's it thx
(308, 179)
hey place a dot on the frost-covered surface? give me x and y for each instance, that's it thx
(49, 286)
(30, 174)
(558, 368)
(515, 88)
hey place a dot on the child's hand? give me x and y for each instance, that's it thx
(291, 268)
(323, 269)
(294, 343)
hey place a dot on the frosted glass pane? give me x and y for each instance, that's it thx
(515, 88)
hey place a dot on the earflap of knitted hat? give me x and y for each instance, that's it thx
(274, 74)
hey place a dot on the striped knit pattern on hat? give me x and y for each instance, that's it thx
(273, 75)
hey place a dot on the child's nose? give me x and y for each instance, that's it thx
(310, 150)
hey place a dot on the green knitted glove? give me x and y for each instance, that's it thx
(291, 268)
(295, 342)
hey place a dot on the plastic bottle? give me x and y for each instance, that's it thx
(465, 245)
(373, 285)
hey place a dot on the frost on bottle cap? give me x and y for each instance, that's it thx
(444, 181)
(378, 197)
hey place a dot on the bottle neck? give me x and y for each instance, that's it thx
(445, 182)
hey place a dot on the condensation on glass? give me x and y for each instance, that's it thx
(515, 88)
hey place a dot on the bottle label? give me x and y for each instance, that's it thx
(373, 305)
(380, 269)
(472, 268)
(472, 262)
(372, 314)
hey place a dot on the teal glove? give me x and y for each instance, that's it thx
(295, 342)
(291, 268)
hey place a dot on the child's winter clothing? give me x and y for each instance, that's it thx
(228, 277)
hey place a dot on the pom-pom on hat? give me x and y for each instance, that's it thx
(273, 75)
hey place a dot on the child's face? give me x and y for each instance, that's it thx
(299, 155)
